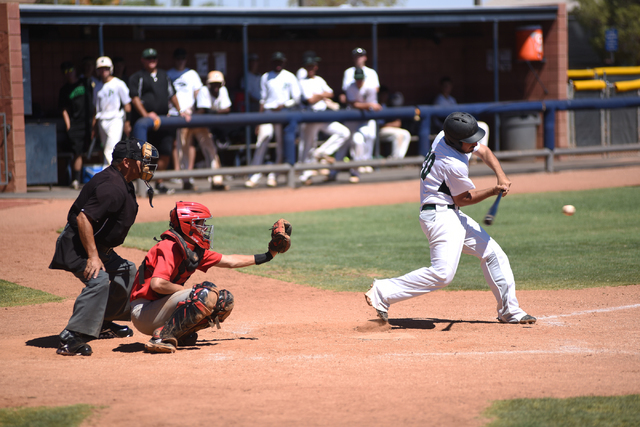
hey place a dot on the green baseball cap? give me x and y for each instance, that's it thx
(149, 53)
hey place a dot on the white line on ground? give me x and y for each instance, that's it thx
(600, 310)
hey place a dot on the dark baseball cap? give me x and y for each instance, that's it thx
(311, 60)
(358, 52)
(278, 56)
(149, 53)
(130, 148)
(67, 67)
(358, 74)
(180, 53)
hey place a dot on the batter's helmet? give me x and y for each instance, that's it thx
(188, 219)
(461, 127)
(104, 62)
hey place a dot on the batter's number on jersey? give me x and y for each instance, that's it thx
(427, 164)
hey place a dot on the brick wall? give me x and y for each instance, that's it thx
(11, 98)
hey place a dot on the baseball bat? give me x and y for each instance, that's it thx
(493, 210)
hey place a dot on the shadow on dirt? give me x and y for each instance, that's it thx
(429, 323)
(51, 341)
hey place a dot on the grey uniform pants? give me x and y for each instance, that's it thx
(104, 298)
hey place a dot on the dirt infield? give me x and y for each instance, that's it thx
(294, 355)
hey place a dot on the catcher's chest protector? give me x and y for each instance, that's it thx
(190, 260)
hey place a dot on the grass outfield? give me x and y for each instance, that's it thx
(344, 249)
(61, 416)
(12, 295)
(610, 411)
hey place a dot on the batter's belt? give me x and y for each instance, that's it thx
(432, 207)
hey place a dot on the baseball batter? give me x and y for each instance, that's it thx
(111, 101)
(160, 304)
(445, 187)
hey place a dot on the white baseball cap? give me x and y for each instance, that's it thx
(215, 77)
(104, 62)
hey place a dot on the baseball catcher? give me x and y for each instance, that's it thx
(160, 304)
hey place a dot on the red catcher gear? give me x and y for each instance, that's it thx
(188, 219)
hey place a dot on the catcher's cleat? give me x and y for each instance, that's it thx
(381, 314)
(188, 340)
(73, 344)
(113, 330)
(528, 319)
(156, 345)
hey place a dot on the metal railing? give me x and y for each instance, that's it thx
(422, 114)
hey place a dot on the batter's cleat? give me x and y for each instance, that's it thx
(113, 330)
(73, 344)
(381, 314)
(188, 340)
(156, 345)
(527, 319)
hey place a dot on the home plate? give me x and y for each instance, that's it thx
(385, 336)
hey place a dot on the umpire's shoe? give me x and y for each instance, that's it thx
(113, 330)
(73, 344)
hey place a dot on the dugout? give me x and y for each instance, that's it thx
(410, 48)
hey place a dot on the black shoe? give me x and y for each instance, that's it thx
(189, 186)
(73, 344)
(188, 340)
(113, 330)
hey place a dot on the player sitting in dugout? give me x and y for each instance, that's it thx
(160, 304)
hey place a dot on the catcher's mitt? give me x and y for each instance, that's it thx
(280, 236)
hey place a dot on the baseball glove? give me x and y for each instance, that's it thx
(280, 236)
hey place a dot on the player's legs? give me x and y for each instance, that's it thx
(309, 140)
(446, 238)
(110, 134)
(265, 133)
(358, 148)
(369, 133)
(339, 136)
(496, 269)
(401, 139)
(147, 315)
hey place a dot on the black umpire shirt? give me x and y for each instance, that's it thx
(155, 92)
(109, 202)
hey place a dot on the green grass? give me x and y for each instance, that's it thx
(43, 416)
(12, 295)
(343, 249)
(618, 411)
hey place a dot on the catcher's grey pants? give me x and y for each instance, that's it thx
(104, 298)
(147, 316)
(450, 233)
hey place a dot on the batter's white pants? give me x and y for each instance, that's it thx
(265, 133)
(401, 139)
(110, 131)
(450, 233)
(208, 147)
(147, 316)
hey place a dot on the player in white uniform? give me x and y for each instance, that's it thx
(279, 89)
(316, 91)
(111, 101)
(359, 59)
(187, 84)
(445, 186)
(212, 99)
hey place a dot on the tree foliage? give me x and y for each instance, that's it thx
(596, 16)
(354, 3)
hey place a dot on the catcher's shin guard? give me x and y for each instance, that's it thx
(223, 308)
(200, 304)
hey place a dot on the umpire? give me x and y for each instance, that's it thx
(98, 221)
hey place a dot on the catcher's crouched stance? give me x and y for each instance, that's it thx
(161, 306)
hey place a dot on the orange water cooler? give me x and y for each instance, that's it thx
(529, 43)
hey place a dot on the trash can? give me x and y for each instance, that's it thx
(518, 131)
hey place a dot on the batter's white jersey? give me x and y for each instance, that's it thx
(445, 173)
(110, 98)
(370, 77)
(186, 83)
(208, 101)
(276, 88)
(314, 86)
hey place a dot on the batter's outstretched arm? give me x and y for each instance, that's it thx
(490, 160)
(477, 195)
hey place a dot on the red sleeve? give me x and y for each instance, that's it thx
(210, 259)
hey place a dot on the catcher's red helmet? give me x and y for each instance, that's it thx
(188, 219)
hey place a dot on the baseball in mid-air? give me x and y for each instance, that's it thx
(568, 210)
